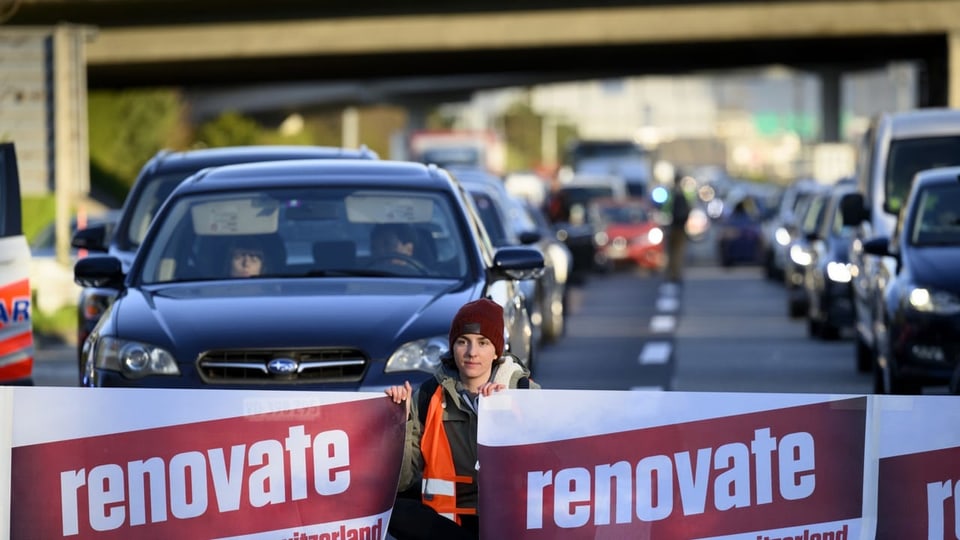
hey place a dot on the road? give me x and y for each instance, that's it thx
(724, 330)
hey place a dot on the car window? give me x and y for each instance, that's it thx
(910, 156)
(493, 221)
(155, 191)
(305, 232)
(937, 218)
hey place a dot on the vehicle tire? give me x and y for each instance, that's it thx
(878, 386)
(813, 328)
(795, 308)
(864, 356)
(828, 331)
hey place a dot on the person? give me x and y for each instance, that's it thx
(677, 234)
(392, 244)
(246, 258)
(441, 438)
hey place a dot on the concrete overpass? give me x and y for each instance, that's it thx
(197, 43)
(383, 50)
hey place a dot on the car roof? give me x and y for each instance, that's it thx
(924, 123)
(346, 172)
(191, 160)
(940, 175)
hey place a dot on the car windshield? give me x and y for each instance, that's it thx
(306, 232)
(910, 156)
(937, 217)
(625, 214)
(155, 191)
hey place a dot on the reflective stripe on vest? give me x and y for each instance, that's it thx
(439, 486)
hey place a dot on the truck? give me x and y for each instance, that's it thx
(483, 149)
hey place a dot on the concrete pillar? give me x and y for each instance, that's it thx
(548, 141)
(830, 105)
(953, 69)
(350, 136)
(71, 156)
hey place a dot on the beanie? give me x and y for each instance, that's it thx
(484, 317)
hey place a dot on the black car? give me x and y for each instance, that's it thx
(508, 223)
(156, 180)
(827, 277)
(799, 254)
(918, 320)
(325, 311)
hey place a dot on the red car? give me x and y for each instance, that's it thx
(627, 233)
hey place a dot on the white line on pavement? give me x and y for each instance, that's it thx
(656, 352)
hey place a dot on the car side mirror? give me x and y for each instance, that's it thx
(530, 237)
(879, 246)
(853, 209)
(517, 263)
(98, 272)
(92, 238)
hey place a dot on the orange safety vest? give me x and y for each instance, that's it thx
(16, 332)
(440, 479)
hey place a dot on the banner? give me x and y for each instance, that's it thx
(120, 463)
(919, 467)
(562, 464)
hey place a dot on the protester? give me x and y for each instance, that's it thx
(441, 440)
(677, 234)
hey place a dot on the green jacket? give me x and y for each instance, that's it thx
(460, 424)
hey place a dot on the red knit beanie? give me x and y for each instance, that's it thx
(484, 317)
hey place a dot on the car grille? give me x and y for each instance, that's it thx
(294, 366)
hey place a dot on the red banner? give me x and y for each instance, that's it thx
(917, 495)
(325, 468)
(757, 471)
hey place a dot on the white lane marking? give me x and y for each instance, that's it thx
(656, 352)
(646, 389)
(670, 289)
(663, 323)
(666, 303)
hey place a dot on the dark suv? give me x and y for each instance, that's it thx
(158, 177)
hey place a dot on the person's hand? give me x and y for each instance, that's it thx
(400, 394)
(488, 388)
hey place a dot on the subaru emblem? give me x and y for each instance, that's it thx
(282, 366)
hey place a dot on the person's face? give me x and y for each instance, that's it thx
(474, 355)
(388, 244)
(246, 262)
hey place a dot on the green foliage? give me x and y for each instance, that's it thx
(128, 127)
(61, 323)
(230, 129)
(38, 212)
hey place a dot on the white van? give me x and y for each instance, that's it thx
(16, 323)
(895, 147)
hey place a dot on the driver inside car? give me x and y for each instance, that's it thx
(391, 248)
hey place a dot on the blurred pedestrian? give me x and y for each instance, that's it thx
(677, 234)
(441, 441)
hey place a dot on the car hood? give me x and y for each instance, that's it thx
(375, 316)
(936, 267)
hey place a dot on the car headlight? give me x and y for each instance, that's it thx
(419, 355)
(838, 272)
(932, 301)
(133, 359)
(655, 236)
(800, 256)
(782, 236)
(601, 238)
